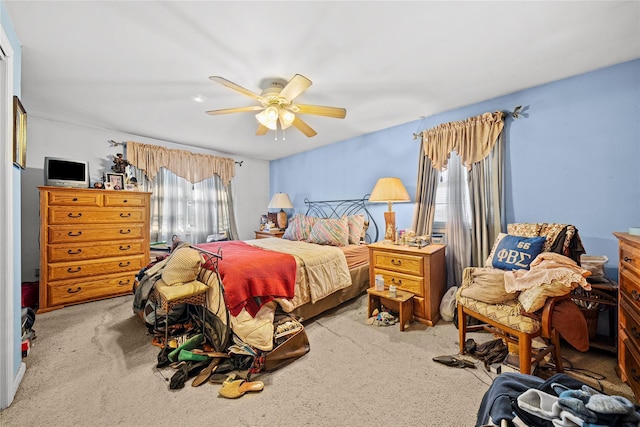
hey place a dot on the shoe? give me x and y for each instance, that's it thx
(232, 388)
(189, 356)
(470, 346)
(454, 362)
(189, 344)
(186, 371)
(204, 375)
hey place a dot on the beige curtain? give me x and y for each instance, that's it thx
(473, 139)
(193, 167)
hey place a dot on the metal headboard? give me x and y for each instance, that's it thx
(340, 208)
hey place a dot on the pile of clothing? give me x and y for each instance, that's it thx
(561, 400)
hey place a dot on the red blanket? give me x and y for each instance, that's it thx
(252, 276)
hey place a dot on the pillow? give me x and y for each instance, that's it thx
(514, 252)
(533, 299)
(356, 229)
(182, 267)
(299, 227)
(329, 231)
(486, 285)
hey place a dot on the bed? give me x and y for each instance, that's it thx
(312, 269)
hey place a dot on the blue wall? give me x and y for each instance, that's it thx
(573, 158)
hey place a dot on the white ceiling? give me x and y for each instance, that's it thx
(135, 67)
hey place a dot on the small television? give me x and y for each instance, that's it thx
(60, 172)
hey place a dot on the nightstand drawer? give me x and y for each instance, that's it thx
(400, 262)
(413, 284)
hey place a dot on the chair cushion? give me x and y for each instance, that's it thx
(511, 252)
(507, 314)
(180, 292)
(486, 285)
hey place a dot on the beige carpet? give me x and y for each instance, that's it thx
(93, 365)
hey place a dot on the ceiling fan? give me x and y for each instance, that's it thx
(277, 105)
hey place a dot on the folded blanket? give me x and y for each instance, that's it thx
(253, 276)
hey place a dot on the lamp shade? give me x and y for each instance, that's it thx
(280, 201)
(388, 190)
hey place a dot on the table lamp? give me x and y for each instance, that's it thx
(389, 190)
(281, 201)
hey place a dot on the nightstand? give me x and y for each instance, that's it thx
(266, 234)
(420, 271)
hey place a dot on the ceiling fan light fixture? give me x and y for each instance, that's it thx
(268, 117)
(286, 118)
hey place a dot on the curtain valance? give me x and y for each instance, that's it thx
(472, 138)
(193, 167)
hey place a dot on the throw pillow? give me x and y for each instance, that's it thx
(514, 252)
(329, 231)
(182, 267)
(356, 229)
(486, 285)
(299, 227)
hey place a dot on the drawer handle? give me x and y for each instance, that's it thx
(74, 270)
(125, 248)
(75, 199)
(125, 265)
(396, 262)
(399, 281)
(128, 215)
(635, 295)
(73, 291)
(125, 232)
(635, 332)
(125, 201)
(70, 215)
(72, 234)
(72, 252)
(627, 259)
(124, 282)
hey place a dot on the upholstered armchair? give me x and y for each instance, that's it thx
(516, 296)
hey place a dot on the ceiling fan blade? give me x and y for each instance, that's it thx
(321, 110)
(303, 127)
(235, 110)
(262, 130)
(236, 87)
(295, 87)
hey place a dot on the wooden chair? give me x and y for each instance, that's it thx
(505, 319)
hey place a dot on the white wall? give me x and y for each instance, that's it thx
(49, 138)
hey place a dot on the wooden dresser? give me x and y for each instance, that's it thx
(423, 272)
(629, 311)
(92, 244)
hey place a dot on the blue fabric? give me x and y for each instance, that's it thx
(515, 252)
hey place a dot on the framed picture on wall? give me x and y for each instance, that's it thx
(116, 180)
(19, 133)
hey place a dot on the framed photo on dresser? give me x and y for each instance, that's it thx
(116, 180)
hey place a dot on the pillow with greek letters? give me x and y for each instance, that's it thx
(514, 252)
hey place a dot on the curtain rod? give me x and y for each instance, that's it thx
(517, 111)
(124, 144)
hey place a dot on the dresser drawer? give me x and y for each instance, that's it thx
(74, 270)
(74, 291)
(630, 258)
(403, 263)
(124, 199)
(630, 288)
(630, 363)
(94, 232)
(71, 215)
(629, 322)
(405, 282)
(72, 252)
(75, 198)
